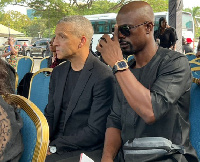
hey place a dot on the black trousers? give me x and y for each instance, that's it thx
(74, 156)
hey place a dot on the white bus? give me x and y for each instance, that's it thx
(104, 24)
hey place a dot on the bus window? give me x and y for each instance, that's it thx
(93, 25)
(102, 27)
(187, 22)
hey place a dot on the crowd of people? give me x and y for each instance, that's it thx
(111, 113)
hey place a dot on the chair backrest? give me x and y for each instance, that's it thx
(44, 62)
(39, 88)
(194, 64)
(24, 65)
(194, 116)
(196, 60)
(196, 72)
(190, 56)
(35, 131)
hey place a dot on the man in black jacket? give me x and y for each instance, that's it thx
(80, 94)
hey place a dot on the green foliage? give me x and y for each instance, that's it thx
(15, 20)
(158, 5)
(51, 11)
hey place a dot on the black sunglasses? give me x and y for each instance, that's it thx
(125, 29)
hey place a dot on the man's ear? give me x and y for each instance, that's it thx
(149, 27)
(82, 42)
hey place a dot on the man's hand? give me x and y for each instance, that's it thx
(110, 49)
(48, 150)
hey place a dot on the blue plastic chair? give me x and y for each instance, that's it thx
(194, 117)
(44, 62)
(35, 131)
(39, 88)
(24, 65)
(190, 56)
(194, 64)
(196, 72)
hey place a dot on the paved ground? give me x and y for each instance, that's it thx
(36, 63)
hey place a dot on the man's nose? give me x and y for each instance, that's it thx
(120, 35)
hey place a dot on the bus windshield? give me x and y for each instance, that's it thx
(187, 22)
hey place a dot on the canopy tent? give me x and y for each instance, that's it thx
(4, 32)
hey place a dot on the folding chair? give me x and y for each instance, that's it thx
(24, 65)
(39, 88)
(44, 62)
(35, 131)
(190, 56)
(194, 116)
(196, 72)
(194, 64)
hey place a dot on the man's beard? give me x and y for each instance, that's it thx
(128, 52)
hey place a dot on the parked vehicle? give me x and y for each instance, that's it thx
(20, 43)
(38, 48)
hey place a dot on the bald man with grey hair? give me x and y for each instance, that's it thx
(152, 96)
(80, 95)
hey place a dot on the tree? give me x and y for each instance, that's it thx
(15, 20)
(53, 10)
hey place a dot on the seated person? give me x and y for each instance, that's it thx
(198, 49)
(186, 45)
(80, 94)
(152, 94)
(53, 61)
(10, 121)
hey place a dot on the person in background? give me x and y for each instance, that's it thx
(53, 61)
(152, 96)
(11, 54)
(186, 45)
(80, 94)
(165, 36)
(198, 49)
(174, 31)
(24, 48)
(10, 120)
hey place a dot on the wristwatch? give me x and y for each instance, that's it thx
(52, 149)
(120, 66)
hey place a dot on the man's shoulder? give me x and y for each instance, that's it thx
(166, 53)
(101, 67)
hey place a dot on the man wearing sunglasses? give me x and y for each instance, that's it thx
(152, 93)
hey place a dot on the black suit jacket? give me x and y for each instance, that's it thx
(89, 106)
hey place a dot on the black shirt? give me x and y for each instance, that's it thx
(168, 77)
(70, 84)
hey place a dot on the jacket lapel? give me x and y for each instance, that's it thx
(60, 86)
(80, 86)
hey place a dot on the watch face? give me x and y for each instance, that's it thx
(122, 64)
(53, 149)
